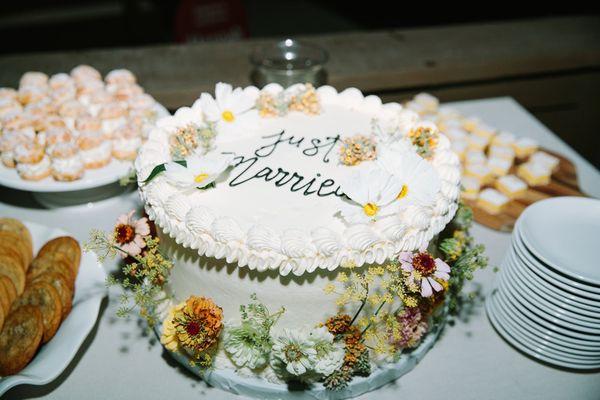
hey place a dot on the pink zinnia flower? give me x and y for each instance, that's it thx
(412, 328)
(129, 234)
(428, 269)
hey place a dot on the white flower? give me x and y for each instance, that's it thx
(419, 181)
(407, 120)
(200, 171)
(231, 110)
(293, 353)
(244, 344)
(183, 117)
(371, 192)
(330, 354)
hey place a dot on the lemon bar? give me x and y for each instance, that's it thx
(470, 123)
(477, 142)
(459, 147)
(428, 103)
(456, 133)
(448, 113)
(543, 158)
(499, 166)
(481, 172)
(485, 131)
(534, 174)
(445, 125)
(500, 151)
(511, 186)
(475, 157)
(524, 147)
(470, 187)
(492, 201)
(504, 138)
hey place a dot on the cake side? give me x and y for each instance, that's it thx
(199, 220)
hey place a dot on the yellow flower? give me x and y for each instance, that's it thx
(342, 277)
(169, 335)
(329, 288)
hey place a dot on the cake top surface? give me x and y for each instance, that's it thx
(298, 179)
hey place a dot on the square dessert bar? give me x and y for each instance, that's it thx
(524, 147)
(501, 151)
(477, 142)
(504, 138)
(484, 131)
(535, 174)
(499, 166)
(481, 172)
(459, 147)
(511, 186)
(475, 157)
(470, 187)
(492, 201)
(545, 159)
(470, 123)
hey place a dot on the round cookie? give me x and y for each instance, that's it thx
(61, 284)
(9, 286)
(53, 262)
(44, 296)
(11, 268)
(4, 299)
(20, 339)
(8, 249)
(16, 226)
(67, 245)
(14, 243)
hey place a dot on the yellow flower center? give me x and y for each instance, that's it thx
(200, 177)
(370, 209)
(228, 116)
(403, 192)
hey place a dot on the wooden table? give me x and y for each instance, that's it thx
(470, 361)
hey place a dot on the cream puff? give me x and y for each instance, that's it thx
(126, 142)
(67, 164)
(120, 77)
(33, 78)
(32, 94)
(85, 73)
(10, 140)
(8, 94)
(56, 135)
(61, 80)
(94, 149)
(124, 92)
(113, 116)
(70, 111)
(88, 123)
(35, 171)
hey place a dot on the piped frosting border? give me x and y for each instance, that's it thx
(294, 251)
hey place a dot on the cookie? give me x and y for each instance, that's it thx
(12, 269)
(9, 286)
(53, 262)
(8, 249)
(15, 244)
(20, 338)
(44, 296)
(2, 317)
(4, 300)
(16, 226)
(61, 284)
(67, 245)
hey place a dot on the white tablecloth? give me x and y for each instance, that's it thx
(470, 361)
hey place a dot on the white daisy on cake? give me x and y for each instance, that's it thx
(419, 181)
(371, 192)
(200, 170)
(183, 117)
(231, 110)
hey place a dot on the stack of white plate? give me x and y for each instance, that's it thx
(546, 298)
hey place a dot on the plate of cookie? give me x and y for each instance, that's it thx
(50, 295)
(73, 131)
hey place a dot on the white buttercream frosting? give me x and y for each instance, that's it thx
(263, 225)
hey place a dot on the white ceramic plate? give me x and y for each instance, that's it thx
(564, 233)
(558, 319)
(545, 303)
(92, 178)
(547, 334)
(491, 312)
(562, 280)
(585, 306)
(54, 356)
(513, 306)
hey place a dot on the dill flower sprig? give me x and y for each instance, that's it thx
(143, 274)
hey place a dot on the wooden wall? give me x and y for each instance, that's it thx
(551, 66)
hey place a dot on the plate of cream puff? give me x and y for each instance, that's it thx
(72, 131)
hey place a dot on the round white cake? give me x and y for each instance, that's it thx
(277, 192)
